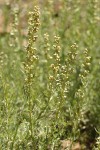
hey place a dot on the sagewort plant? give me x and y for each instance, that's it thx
(57, 102)
(30, 61)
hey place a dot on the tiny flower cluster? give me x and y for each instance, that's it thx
(46, 46)
(31, 51)
(14, 40)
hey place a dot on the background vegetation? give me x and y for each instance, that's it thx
(50, 75)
